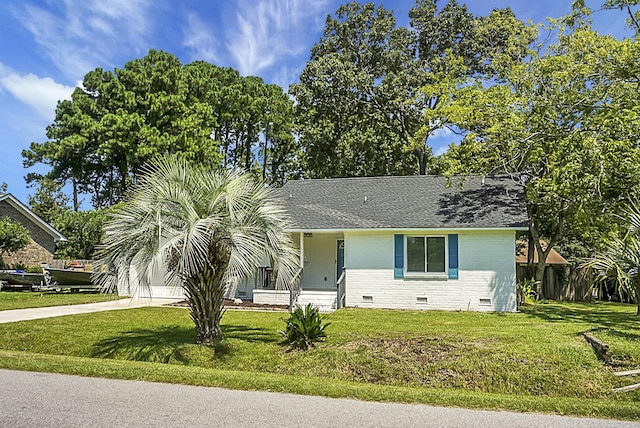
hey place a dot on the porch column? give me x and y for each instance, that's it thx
(301, 250)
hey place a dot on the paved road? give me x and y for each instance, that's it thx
(56, 311)
(48, 400)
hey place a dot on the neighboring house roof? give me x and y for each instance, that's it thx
(407, 202)
(22, 208)
(522, 252)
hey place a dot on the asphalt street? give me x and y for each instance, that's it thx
(48, 400)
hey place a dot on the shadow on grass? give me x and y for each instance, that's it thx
(160, 345)
(623, 335)
(598, 314)
(174, 344)
(597, 319)
(250, 334)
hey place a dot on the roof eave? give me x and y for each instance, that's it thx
(57, 236)
(401, 229)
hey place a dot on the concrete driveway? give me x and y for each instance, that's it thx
(56, 311)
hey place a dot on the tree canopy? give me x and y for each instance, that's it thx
(369, 97)
(565, 125)
(116, 121)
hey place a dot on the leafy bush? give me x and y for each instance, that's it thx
(304, 328)
(13, 236)
(527, 291)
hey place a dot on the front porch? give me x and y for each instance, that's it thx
(322, 267)
(325, 301)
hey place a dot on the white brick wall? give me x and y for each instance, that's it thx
(271, 297)
(486, 271)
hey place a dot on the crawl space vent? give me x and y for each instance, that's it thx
(485, 302)
(421, 300)
(367, 299)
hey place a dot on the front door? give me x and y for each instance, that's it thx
(339, 258)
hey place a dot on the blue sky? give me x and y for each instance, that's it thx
(49, 45)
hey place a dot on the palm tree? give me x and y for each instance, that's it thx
(621, 259)
(205, 229)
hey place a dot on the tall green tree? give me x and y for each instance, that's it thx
(345, 94)
(252, 121)
(565, 125)
(370, 96)
(48, 202)
(207, 229)
(83, 230)
(117, 121)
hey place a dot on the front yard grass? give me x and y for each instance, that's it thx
(536, 360)
(29, 299)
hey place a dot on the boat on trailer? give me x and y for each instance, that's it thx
(68, 278)
(18, 279)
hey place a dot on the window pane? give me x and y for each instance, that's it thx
(435, 254)
(415, 254)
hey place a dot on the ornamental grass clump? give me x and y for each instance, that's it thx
(304, 328)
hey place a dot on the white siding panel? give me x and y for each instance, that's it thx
(158, 288)
(366, 251)
(486, 271)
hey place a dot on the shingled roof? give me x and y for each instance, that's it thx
(412, 202)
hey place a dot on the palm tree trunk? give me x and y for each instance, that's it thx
(205, 293)
(636, 282)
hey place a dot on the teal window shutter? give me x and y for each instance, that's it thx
(453, 256)
(398, 256)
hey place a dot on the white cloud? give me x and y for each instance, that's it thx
(441, 149)
(285, 76)
(267, 31)
(443, 132)
(40, 93)
(199, 39)
(78, 35)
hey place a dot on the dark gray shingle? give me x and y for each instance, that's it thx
(404, 202)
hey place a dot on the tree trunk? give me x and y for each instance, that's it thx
(542, 257)
(422, 161)
(205, 292)
(264, 158)
(74, 186)
(636, 282)
(539, 277)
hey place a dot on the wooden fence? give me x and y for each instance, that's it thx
(561, 282)
(75, 264)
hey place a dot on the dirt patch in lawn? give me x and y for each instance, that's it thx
(406, 361)
(424, 350)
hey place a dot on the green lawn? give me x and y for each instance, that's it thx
(533, 361)
(28, 299)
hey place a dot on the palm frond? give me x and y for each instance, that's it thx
(179, 214)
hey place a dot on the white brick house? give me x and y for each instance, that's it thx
(418, 242)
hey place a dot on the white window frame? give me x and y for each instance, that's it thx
(443, 274)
